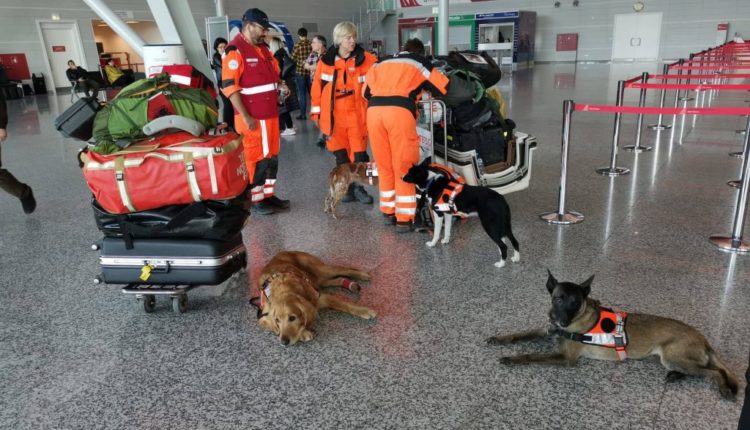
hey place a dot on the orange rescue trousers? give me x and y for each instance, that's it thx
(395, 147)
(347, 134)
(261, 147)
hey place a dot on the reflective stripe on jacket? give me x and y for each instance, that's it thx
(253, 71)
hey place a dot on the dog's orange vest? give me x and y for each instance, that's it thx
(446, 202)
(609, 332)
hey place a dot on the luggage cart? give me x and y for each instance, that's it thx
(185, 271)
(515, 177)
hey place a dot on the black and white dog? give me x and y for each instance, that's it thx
(438, 185)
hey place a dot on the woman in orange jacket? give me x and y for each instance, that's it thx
(338, 106)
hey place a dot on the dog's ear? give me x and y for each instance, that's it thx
(551, 282)
(426, 162)
(586, 286)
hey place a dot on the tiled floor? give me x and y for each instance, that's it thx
(78, 355)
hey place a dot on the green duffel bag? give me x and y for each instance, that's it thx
(121, 121)
(463, 87)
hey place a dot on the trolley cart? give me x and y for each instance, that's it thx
(169, 267)
(514, 176)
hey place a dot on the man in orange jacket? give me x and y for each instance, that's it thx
(338, 105)
(393, 86)
(250, 79)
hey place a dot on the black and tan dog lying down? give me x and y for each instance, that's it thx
(585, 329)
(290, 293)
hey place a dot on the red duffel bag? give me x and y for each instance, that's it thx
(173, 169)
(186, 76)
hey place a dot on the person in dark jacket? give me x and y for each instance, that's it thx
(77, 74)
(8, 182)
(291, 102)
(219, 45)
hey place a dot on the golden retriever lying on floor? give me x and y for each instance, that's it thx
(290, 294)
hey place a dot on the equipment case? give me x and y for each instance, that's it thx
(78, 120)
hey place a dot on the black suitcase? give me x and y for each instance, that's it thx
(489, 143)
(211, 219)
(78, 120)
(12, 91)
(171, 261)
(40, 87)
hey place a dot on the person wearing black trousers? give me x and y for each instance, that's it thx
(288, 103)
(8, 182)
(745, 415)
(219, 45)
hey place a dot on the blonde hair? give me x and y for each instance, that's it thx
(274, 44)
(342, 30)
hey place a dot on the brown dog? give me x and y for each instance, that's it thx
(341, 177)
(290, 294)
(585, 329)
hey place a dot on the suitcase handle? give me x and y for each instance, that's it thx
(174, 121)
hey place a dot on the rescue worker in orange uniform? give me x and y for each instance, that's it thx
(338, 105)
(393, 86)
(250, 79)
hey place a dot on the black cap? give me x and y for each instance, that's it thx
(257, 16)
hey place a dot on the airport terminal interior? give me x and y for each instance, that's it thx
(75, 354)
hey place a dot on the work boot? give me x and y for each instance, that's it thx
(277, 202)
(389, 219)
(404, 227)
(28, 202)
(349, 196)
(361, 195)
(261, 208)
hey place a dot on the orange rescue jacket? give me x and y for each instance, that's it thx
(398, 81)
(337, 78)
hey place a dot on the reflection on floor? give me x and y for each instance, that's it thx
(79, 355)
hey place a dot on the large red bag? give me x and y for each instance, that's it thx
(173, 169)
(187, 76)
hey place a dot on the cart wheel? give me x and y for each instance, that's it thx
(179, 303)
(149, 303)
(97, 280)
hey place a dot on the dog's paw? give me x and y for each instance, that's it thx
(506, 360)
(306, 336)
(673, 376)
(445, 241)
(430, 244)
(366, 277)
(496, 340)
(727, 393)
(516, 257)
(368, 314)
(500, 264)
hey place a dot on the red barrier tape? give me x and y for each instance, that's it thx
(710, 67)
(663, 111)
(691, 76)
(698, 87)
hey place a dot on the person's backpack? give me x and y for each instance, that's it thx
(478, 62)
(463, 87)
(122, 120)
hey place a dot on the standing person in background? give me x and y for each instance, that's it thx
(250, 79)
(318, 49)
(77, 75)
(393, 86)
(300, 53)
(220, 44)
(338, 106)
(8, 182)
(289, 102)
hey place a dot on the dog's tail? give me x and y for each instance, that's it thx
(717, 363)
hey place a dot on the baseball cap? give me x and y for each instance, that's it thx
(257, 16)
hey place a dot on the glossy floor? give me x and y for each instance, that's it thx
(78, 355)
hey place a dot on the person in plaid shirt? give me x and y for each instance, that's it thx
(300, 53)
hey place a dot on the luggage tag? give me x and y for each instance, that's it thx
(146, 272)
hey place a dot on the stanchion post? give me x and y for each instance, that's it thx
(735, 242)
(639, 130)
(659, 124)
(613, 170)
(561, 216)
(680, 62)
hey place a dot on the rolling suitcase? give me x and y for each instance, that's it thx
(40, 87)
(78, 120)
(171, 261)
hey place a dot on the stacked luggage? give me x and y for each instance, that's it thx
(169, 197)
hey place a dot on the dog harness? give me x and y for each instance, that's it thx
(446, 201)
(609, 332)
(371, 171)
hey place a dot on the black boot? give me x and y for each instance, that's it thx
(277, 202)
(28, 202)
(349, 196)
(361, 194)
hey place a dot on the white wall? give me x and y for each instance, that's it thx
(688, 25)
